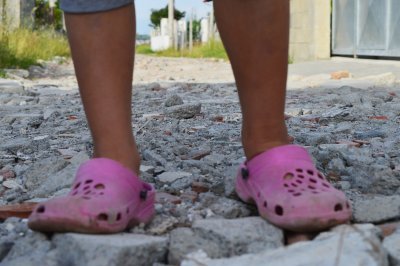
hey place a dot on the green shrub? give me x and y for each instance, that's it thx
(22, 48)
(212, 49)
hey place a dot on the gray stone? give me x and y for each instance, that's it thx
(229, 181)
(173, 100)
(11, 184)
(15, 145)
(376, 209)
(31, 249)
(314, 138)
(343, 246)
(229, 208)
(41, 143)
(162, 224)
(37, 72)
(155, 158)
(335, 113)
(118, 249)
(184, 111)
(41, 170)
(61, 179)
(392, 245)
(224, 238)
(171, 177)
(17, 73)
(369, 134)
(147, 169)
(5, 247)
(10, 86)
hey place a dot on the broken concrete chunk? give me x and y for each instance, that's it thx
(344, 246)
(104, 250)
(220, 238)
(376, 209)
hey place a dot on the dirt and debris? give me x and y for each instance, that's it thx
(188, 132)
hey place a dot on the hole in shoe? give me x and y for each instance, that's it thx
(294, 184)
(300, 176)
(86, 187)
(74, 193)
(118, 217)
(285, 185)
(299, 181)
(41, 209)
(326, 185)
(299, 170)
(291, 191)
(311, 187)
(86, 197)
(278, 210)
(102, 217)
(310, 172)
(338, 207)
(320, 176)
(347, 205)
(265, 204)
(288, 176)
(99, 186)
(88, 181)
(77, 185)
(297, 194)
(258, 194)
(87, 192)
(313, 180)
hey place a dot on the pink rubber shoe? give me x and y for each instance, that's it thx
(290, 192)
(106, 197)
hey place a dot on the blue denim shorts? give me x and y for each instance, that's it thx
(87, 6)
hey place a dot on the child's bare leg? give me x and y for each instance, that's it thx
(289, 190)
(102, 47)
(256, 35)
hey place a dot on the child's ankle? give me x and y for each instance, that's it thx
(129, 159)
(253, 149)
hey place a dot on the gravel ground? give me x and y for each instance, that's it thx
(187, 123)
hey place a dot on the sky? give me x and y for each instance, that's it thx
(143, 10)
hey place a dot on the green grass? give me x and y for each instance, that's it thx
(22, 48)
(144, 49)
(2, 73)
(213, 49)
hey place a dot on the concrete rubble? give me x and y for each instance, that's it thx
(188, 132)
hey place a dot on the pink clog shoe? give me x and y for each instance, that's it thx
(105, 197)
(290, 192)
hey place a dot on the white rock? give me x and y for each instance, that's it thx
(10, 86)
(343, 246)
(220, 238)
(118, 249)
(376, 209)
(392, 245)
(11, 184)
(170, 177)
(147, 169)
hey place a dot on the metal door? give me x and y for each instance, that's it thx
(366, 27)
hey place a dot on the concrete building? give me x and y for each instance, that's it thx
(358, 28)
(310, 30)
